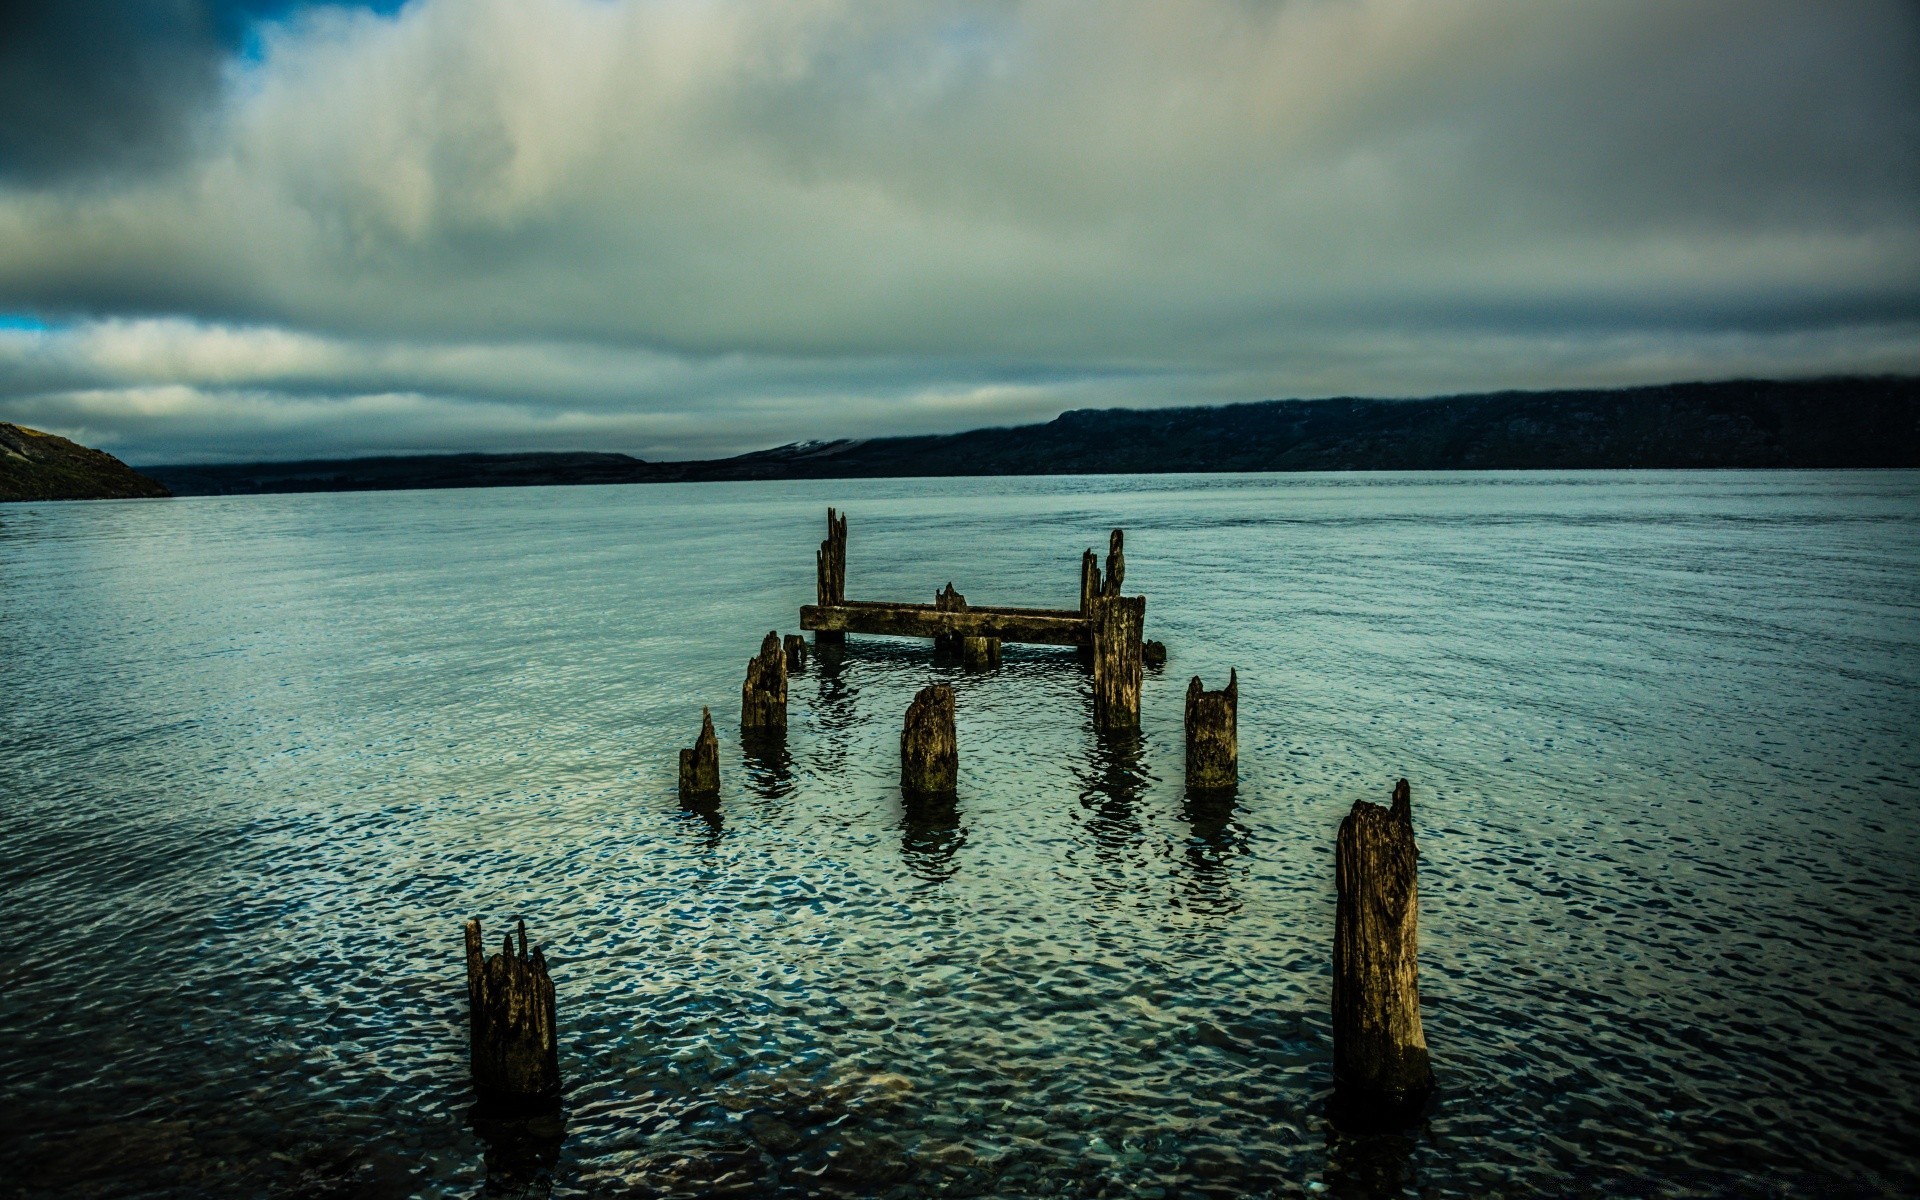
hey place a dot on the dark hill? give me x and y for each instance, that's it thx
(43, 466)
(1844, 422)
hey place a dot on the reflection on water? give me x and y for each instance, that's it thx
(521, 1152)
(931, 836)
(769, 766)
(1112, 782)
(1663, 732)
(1365, 1166)
(1213, 849)
(703, 814)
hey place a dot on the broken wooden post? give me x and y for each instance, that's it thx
(1381, 1071)
(1154, 654)
(948, 645)
(1213, 734)
(980, 653)
(515, 1050)
(1115, 623)
(929, 746)
(700, 766)
(831, 569)
(1089, 581)
(796, 647)
(763, 697)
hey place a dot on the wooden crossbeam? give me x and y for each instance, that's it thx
(1037, 626)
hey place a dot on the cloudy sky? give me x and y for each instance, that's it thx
(687, 227)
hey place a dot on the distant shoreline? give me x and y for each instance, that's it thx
(1847, 422)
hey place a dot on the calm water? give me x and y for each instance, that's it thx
(260, 756)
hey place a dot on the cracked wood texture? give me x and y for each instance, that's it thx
(929, 745)
(1213, 734)
(830, 567)
(515, 1049)
(1115, 623)
(763, 697)
(700, 766)
(1380, 1066)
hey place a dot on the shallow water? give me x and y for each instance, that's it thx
(260, 756)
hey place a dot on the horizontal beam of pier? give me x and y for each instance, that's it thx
(1038, 626)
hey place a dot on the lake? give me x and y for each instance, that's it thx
(260, 757)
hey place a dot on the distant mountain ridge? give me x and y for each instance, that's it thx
(45, 466)
(1840, 422)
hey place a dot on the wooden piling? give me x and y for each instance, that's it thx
(700, 766)
(1089, 581)
(515, 1049)
(980, 653)
(831, 570)
(796, 647)
(949, 645)
(1380, 1065)
(1116, 622)
(929, 745)
(763, 697)
(1153, 654)
(1213, 734)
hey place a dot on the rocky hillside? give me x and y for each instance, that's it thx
(1842, 422)
(42, 466)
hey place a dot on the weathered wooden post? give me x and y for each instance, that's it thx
(1153, 654)
(763, 697)
(929, 745)
(831, 568)
(1381, 1071)
(948, 645)
(1213, 734)
(1116, 622)
(515, 1049)
(796, 647)
(980, 653)
(700, 766)
(1089, 581)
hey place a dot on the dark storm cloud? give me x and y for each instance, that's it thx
(715, 226)
(98, 85)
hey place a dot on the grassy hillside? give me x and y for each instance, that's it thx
(43, 466)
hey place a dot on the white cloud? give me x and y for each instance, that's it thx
(683, 227)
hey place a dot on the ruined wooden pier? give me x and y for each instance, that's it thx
(1106, 624)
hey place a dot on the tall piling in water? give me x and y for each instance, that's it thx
(763, 697)
(515, 1047)
(1213, 735)
(948, 645)
(831, 570)
(1381, 1069)
(700, 766)
(1115, 622)
(929, 745)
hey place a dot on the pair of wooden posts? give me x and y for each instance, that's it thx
(763, 712)
(1382, 1073)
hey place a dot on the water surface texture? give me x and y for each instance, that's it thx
(260, 757)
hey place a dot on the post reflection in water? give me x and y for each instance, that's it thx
(1363, 1166)
(835, 708)
(1215, 850)
(521, 1150)
(704, 815)
(930, 836)
(769, 766)
(1110, 789)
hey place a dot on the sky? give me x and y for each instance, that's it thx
(687, 228)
